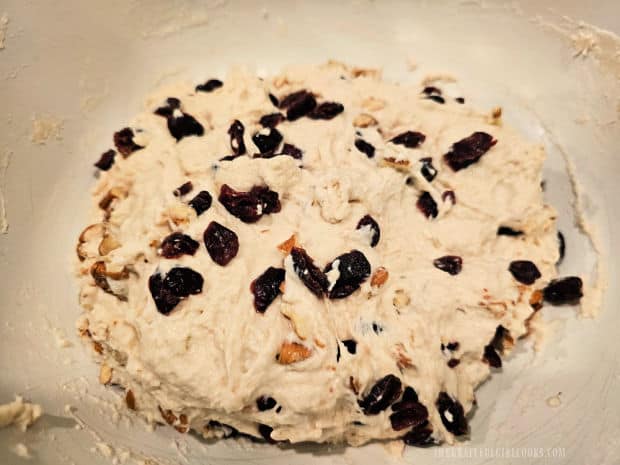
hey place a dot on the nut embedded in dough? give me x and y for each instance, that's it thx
(105, 373)
(373, 104)
(379, 277)
(364, 120)
(293, 352)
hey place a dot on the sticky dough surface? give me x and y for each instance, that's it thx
(214, 354)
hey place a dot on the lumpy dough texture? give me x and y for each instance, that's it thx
(425, 311)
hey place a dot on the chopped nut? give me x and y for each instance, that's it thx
(280, 81)
(167, 415)
(130, 400)
(288, 244)
(401, 299)
(97, 347)
(292, 352)
(105, 374)
(296, 320)
(379, 277)
(319, 343)
(496, 116)
(367, 72)
(331, 63)
(183, 419)
(354, 385)
(373, 104)
(364, 120)
(90, 233)
(181, 429)
(100, 274)
(401, 165)
(113, 194)
(536, 300)
(115, 271)
(180, 213)
(402, 360)
(108, 244)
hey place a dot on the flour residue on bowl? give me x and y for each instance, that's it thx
(19, 413)
(46, 127)
(4, 26)
(5, 158)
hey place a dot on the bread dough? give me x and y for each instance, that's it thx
(19, 413)
(204, 365)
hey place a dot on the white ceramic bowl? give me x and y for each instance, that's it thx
(89, 64)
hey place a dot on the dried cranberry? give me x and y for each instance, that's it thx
(354, 269)
(351, 345)
(229, 431)
(451, 264)
(268, 142)
(274, 100)
(177, 244)
(183, 189)
(235, 131)
(561, 247)
(164, 299)
(298, 104)
(172, 103)
(221, 243)
(507, 231)
(369, 221)
(271, 120)
(449, 195)
(184, 125)
(290, 149)
(265, 431)
(176, 285)
(427, 205)
(409, 395)
(265, 403)
(106, 160)
(201, 203)
(266, 288)
(456, 422)
(469, 150)
(420, 435)
(491, 356)
(381, 395)
(429, 90)
(436, 99)
(309, 274)
(291, 98)
(209, 86)
(501, 335)
(410, 139)
(249, 206)
(364, 147)
(326, 110)
(229, 157)
(414, 415)
(524, 271)
(428, 170)
(453, 362)
(123, 140)
(564, 291)
(452, 346)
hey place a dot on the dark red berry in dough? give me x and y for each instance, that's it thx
(469, 150)
(222, 243)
